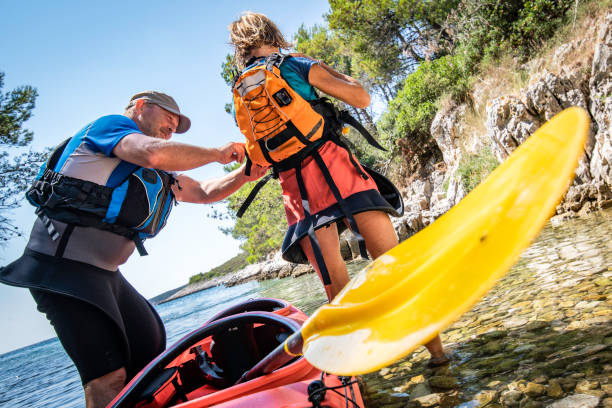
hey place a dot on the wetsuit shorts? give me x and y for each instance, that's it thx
(92, 339)
(100, 319)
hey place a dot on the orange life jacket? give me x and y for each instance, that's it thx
(276, 121)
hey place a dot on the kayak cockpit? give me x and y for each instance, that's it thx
(210, 360)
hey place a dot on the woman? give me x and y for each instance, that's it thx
(327, 188)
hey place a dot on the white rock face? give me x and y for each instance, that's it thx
(600, 86)
(510, 120)
(509, 123)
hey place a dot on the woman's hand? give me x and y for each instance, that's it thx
(256, 172)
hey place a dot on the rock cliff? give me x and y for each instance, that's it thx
(578, 73)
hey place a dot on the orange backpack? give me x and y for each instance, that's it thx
(276, 121)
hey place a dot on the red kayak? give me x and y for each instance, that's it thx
(206, 367)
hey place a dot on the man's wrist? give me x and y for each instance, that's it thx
(217, 154)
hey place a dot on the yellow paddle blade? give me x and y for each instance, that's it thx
(418, 288)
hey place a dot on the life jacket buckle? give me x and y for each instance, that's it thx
(268, 148)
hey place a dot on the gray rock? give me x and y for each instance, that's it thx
(511, 398)
(419, 390)
(445, 382)
(535, 390)
(429, 400)
(446, 129)
(285, 270)
(301, 269)
(554, 389)
(486, 396)
(576, 401)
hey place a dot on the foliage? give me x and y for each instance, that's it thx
(473, 168)
(391, 37)
(263, 225)
(16, 169)
(236, 263)
(321, 43)
(408, 118)
(229, 70)
(493, 27)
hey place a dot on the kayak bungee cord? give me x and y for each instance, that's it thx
(317, 390)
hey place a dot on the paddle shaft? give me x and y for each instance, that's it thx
(285, 352)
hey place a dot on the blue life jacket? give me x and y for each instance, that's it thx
(137, 208)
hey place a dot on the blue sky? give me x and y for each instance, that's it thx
(86, 58)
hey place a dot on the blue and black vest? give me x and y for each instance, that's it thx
(137, 208)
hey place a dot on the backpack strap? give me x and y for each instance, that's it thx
(247, 166)
(342, 203)
(346, 117)
(275, 59)
(314, 242)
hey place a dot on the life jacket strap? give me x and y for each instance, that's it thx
(343, 206)
(314, 242)
(247, 202)
(59, 252)
(275, 59)
(248, 165)
(350, 120)
(51, 230)
(139, 245)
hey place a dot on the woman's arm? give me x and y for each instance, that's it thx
(338, 85)
(210, 191)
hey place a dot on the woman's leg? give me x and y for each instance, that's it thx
(330, 247)
(377, 231)
(379, 235)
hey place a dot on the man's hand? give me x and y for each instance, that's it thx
(231, 152)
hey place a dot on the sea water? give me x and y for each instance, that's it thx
(42, 375)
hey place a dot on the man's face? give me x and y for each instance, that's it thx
(155, 121)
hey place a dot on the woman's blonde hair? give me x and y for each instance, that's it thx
(253, 30)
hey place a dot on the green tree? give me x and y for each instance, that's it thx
(262, 227)
(406, 123)
(492, 27)
(323, 44)
(17, 168)
(392, 37)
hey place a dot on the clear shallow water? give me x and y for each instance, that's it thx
(41, 375)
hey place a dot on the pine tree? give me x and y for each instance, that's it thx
(17, 167)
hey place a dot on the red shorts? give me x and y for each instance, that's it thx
(359, 194)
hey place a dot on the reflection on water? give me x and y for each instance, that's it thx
(306, 291)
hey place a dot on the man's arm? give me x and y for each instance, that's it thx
(210, 191)
(166, 155)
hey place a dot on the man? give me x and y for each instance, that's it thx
(107, 328)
